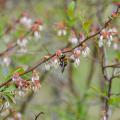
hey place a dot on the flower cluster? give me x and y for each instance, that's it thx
(61, 28)
(53, 63)
(61, 60)
(26, 85)
(48, 64)
(75, 57)
(106, 37)
(22, 43)
(21, 84)
(74, 39)
(5, 60)
(85, 50)
(35, 80)
(36, 28)
(26, 20)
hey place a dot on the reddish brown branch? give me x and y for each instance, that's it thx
(66, 51)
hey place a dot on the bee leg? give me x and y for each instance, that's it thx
(63, 68)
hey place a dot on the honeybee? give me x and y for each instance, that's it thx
(63, 62)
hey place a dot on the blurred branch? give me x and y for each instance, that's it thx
(37, 116)
(10, 113)
(107, 100)
(10, 27)
(91, 70)
(113, 66)
(106, 78)
(8, 49)
(103, 62)
(13, 46)
(98, 13)
(70, 80)
(115, 94)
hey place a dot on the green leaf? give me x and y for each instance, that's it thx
(86, 26)
(71, 6)
(10, 88)
(114, 100)
(71, 19)
(71, 22)
(19, 70)
(9, 97)
(70, 11)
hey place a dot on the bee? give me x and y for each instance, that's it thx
(63, 62)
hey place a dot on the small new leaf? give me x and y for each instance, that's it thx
(71, 6)
(19, 70)
(86, 25)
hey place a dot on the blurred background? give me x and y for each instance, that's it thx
(76, 93)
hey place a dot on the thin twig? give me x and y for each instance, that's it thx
(38, 115)
(113, 66)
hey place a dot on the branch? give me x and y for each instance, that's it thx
(37, 116)
(70, 81)
(109, 92)
(64, 51)
(13, 46)
(115, 94)
(113, 66)
(10, 27)
(91, 70)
